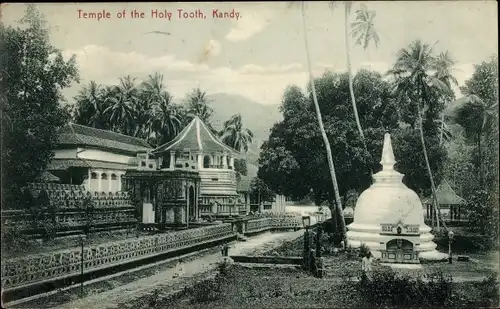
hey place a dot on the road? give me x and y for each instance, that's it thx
(165, 279)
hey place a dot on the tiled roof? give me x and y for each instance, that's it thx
(79, 135)
(446, 195)
(196, 137)
(64, 164)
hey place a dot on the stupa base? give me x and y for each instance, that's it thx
(433, 256)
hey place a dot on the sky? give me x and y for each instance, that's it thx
(262, 52)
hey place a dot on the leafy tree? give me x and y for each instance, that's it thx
(478, 113)
(33, 74)
(291, 162)
(259, 191)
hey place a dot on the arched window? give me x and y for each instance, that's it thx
(206, 161)
(104, 176)
(93, 176)
(113, 177)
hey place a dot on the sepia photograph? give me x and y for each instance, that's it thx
(293, 154)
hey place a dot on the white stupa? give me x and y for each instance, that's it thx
(388, 217)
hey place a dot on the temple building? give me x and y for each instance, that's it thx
(94, 158)
(182, 181)
(450, 204)
(389, 219)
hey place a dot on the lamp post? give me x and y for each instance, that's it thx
(306, 221)
(450, 239)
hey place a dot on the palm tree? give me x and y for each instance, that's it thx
(123, 108)
(197, 105)
(331, 166)
(444, 65)
(363, 32)
(412, 71)
(90, 106)
(165, 122)
(234, 135)
(477, 118)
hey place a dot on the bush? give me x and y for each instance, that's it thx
(211, 289)
(387, 288)
(489, 288)
(465, 243)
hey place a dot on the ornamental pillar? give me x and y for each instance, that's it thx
(172, 160)
(224, 162)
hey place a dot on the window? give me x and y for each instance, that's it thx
(268, 206)
(93, 176)
(206, 161)
(113, 177)
(143, 163)
(104, 176)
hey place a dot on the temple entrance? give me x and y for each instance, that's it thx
(400, 251)
(192, 204)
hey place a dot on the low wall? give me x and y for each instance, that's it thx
(22, 272)
(271, 223)
(293, 260)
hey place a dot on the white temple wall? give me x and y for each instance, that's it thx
(101, 155)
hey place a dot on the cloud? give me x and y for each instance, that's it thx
(264, 84)
(273, 69)
(250, 23)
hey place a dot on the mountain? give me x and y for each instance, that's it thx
(257, 117)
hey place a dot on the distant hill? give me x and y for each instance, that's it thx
(257, 117)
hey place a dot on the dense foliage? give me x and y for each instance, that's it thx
(293, 163)
(32, 77)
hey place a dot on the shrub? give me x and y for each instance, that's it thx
(211, 289)
(489, 288)
(387, 288)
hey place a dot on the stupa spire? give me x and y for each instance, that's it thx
(388, 159)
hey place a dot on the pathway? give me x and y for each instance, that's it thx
(165, 279)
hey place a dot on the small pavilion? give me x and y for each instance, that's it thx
(449, 202)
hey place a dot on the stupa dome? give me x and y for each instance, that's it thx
(388, 216)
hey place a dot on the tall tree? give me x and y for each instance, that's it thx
(414, 80)
(363, 31)
(33, 74)
(90, 106)
(197, 105)
(444, 66)
(331, 166)
(235, 135)
(477, 112)
(123, 106)
(165, 121)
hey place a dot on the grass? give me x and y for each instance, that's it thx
(106, 285)
(244, 287)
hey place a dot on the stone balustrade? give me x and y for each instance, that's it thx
(43, 267)
(273, 222)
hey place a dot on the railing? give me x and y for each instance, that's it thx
(43, 267)
(273, 222)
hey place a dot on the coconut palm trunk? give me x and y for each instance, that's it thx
(437, 210)
(349, 69)
(323, 133)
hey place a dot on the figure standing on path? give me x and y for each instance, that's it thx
(366, 263)
(178, 269)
